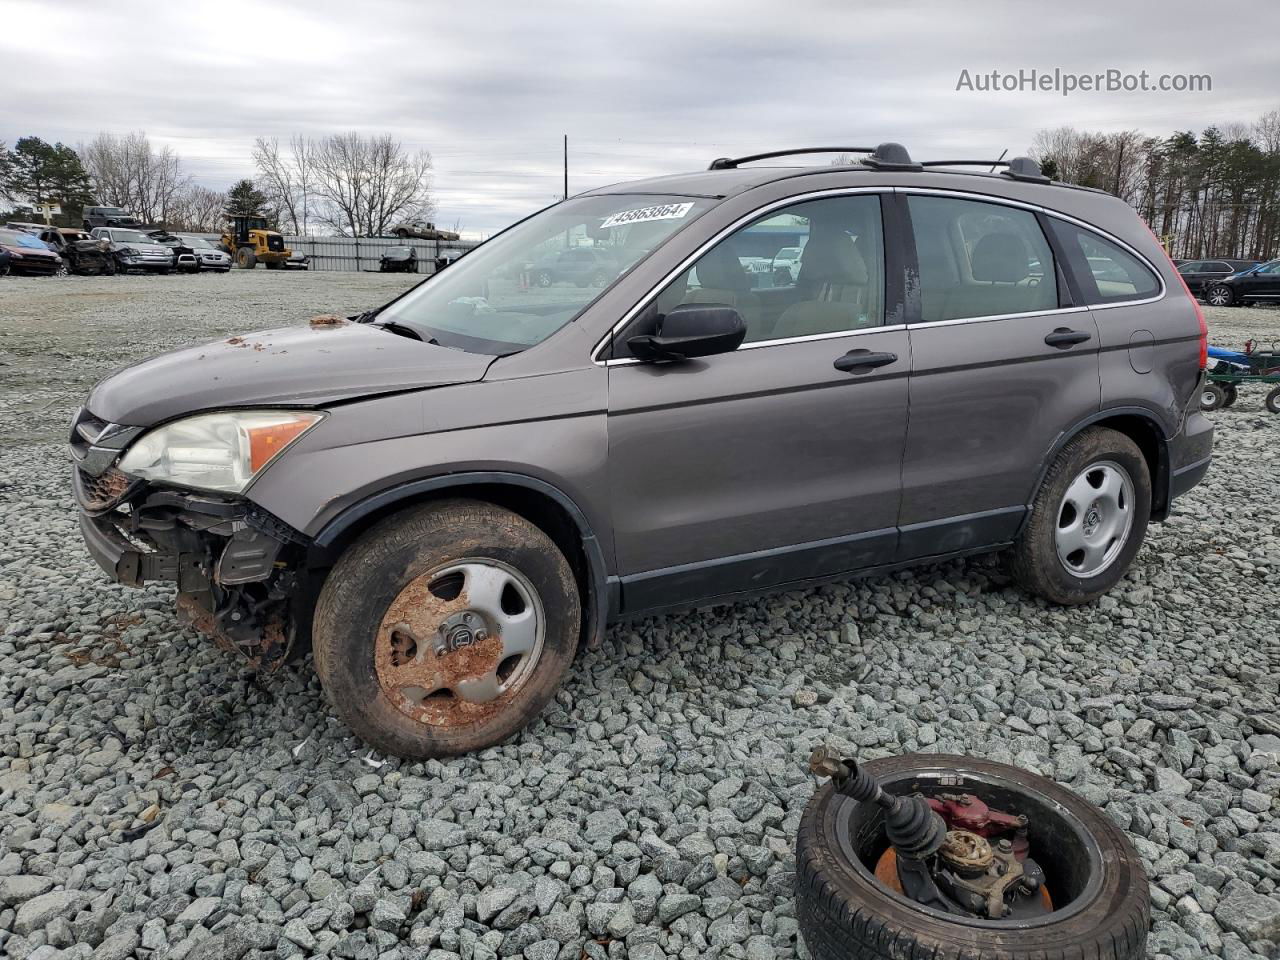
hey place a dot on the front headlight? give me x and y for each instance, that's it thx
(216, 451)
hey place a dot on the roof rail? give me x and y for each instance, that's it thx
(1019, 168)
(729, 163)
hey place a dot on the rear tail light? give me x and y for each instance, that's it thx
(1204, 327)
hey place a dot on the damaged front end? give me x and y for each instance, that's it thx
(238, 570)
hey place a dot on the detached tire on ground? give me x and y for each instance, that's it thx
(445, 628)
(1102, 907)
(1087, 521)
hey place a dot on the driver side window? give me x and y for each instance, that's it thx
(830, 279)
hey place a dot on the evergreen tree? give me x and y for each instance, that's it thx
(246, 200)
(38, 172)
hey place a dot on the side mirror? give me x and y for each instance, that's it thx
(691, 330)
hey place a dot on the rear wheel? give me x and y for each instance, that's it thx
(542, 278)
(1087, 521)
(1231, 392)
(446, 628)
(1220, 296)
(1212, 396)
(1273, 400)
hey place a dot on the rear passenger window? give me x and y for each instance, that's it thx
(1107, 273)
(980, 259)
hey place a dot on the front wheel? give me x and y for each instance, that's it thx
(1219, 296)
(445, 629)
(1273, 400)
(1087, 520)
(246, 259)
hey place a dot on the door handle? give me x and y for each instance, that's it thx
(1063, 338)
(864, 360)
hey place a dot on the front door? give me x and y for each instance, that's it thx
(769, 464)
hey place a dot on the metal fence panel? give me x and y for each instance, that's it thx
(364, 253)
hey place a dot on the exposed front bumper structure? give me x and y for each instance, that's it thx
(237, 569)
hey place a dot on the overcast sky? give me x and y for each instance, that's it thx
(641, 87)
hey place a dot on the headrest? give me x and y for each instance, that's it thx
(832, 256)
(1000, 258)
(721, 270)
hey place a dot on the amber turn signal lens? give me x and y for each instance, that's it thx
(266, 442)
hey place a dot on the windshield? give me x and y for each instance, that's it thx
(521, 287)
(16, 238)
(129, 236)
(195, 242)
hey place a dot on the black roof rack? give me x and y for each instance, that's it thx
(894, 156)
(1019, 168)
(729, 163)
(886, 156)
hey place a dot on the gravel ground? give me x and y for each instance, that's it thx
(157, 803)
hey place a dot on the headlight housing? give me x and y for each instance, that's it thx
(216, 451)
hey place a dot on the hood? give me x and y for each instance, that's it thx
(20, 251)
(292, 366)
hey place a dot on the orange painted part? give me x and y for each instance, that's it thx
(887, 875)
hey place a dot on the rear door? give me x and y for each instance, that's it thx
(1002, 363)
(769, 464)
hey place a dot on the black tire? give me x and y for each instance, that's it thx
(543, 278)
(1035, 562)
(395, 552)
(1212, 397)
(845, 914)
(1273, 400)
(1232, 395)
(402, 234)
(246, 259)
(273, 264)
(1219, 296)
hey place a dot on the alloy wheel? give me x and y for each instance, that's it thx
(1094, 519)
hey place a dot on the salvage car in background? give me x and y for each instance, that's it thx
(184, 255)
(209, 256)
(110, 217)
(452, 491)
(84, 254)
(422, 230)
(297, 261)
(398, 260)
(134, 250)
(1199, 275)
(1260, 283)
(30, 255)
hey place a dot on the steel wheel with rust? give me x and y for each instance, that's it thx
(445, 628)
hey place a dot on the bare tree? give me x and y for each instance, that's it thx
(286, 178)
(129, 172)
(367, 183)
(198, 209)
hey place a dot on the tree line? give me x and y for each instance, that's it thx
(350, 184)
(1215, 194)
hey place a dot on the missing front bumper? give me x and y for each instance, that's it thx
(237, 569)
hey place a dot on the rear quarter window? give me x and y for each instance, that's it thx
(1105, 271)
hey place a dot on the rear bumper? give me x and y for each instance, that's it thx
(1190, 452)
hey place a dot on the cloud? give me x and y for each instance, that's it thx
(640, 88)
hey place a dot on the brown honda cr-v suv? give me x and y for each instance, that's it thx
(446, 495)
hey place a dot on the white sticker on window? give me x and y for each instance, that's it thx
(667, 211)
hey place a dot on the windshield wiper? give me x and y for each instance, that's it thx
(367, 316)
(402, 330)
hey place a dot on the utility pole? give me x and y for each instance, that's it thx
(566, 166)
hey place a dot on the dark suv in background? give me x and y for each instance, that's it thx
(1258, 283)
(1199, 275)
(451, 492)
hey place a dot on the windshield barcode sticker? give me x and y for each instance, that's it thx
(667, 211)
